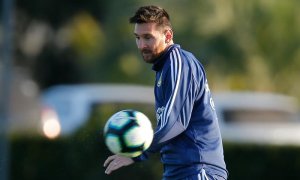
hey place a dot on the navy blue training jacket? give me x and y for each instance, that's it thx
(187, 133)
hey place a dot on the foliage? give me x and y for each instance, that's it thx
(83, 157)
(244, 45)
(249, 162)
(78, 156)
(71, 158)
(82, 154)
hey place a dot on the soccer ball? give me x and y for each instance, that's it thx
(128, 133)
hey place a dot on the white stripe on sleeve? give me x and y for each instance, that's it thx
(176, 67)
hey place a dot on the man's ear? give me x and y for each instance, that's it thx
(169, 35)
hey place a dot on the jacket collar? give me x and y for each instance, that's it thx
(160, 61)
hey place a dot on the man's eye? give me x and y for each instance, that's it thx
(147, 37)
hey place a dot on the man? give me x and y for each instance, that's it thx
(187, 133)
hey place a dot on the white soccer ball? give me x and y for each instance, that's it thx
(128, 133)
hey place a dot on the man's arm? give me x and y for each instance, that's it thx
(180, 91)
(179, 94)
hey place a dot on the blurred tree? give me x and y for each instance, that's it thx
(56, 67)
(244, 45)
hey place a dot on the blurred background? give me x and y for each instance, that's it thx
(58, 56)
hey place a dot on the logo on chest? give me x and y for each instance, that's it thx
(159, 82)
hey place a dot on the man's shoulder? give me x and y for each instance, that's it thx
(188, 54)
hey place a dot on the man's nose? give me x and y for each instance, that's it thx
(141, 44)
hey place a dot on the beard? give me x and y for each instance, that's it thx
(149, 56)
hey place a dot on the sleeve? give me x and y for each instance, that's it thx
(180, 90)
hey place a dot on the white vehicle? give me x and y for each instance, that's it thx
(260, 118)
(73, 103)
(244, 117)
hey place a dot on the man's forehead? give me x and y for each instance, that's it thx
(145, 28)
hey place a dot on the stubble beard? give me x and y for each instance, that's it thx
(148, 56)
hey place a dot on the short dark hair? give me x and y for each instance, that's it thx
(151, 14)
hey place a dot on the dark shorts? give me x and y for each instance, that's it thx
(201, 176)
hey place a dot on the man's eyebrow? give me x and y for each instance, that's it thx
(143, 35)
